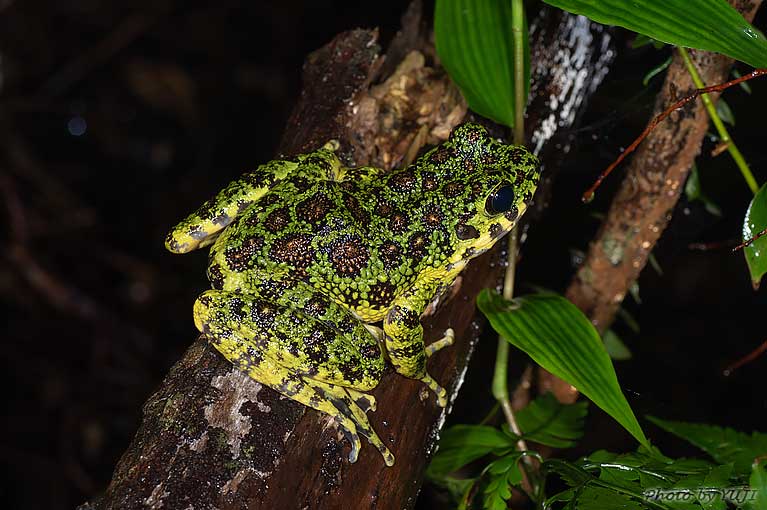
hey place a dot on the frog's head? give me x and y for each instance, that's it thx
(498, 182)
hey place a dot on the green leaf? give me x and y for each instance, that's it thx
(554, 333)
(643, 40)
(462, 444)
(758, 483)
(717, 478)
(547, 421)
(474, 42)
(599, 498)
(458, 488)
(504, 474)
(755, 222)
(567, 495)
(688, 489)
(624, 478)
(572, 474)
(664, 483)
(711, 25)
(615, 346)
(722, 444)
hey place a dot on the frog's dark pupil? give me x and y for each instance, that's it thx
(500, 200)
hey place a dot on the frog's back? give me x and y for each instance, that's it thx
(344, 238)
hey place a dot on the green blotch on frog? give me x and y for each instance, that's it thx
(307, 255)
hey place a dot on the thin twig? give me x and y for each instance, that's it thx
(727, 142)
(748, 358)
(589, 194)
(749, 242)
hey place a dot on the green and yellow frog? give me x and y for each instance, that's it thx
(308, 256)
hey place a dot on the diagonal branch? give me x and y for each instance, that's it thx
(643, 206)
(213, 438)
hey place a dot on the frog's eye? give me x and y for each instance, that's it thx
(500, 200)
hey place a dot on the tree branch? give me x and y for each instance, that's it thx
(213, 438)
(643, 205)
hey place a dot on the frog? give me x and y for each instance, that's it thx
(320, 272)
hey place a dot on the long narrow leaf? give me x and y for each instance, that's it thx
(553, 332)
(474, 42)
(711, 25)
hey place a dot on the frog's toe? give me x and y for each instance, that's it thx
(443, 342)
(385, 453)
(354, 441)
(438, 390)
(365, 401)
(332, 145)
(441, 396)
(349, 429)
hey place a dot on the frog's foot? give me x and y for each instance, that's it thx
(339, 403)
(365, 401)
(313, 395)
(344, 400)
(443, 342)
(430, 349)
(438, 390)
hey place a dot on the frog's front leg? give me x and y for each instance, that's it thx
(201, 228)
(304, 358)
(403, 338)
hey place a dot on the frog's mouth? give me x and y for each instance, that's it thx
(507, 222)
(490, 233)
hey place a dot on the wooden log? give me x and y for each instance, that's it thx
(213, 438)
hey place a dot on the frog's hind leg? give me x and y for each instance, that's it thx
(302, 357)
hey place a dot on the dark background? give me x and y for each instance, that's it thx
(118, 118)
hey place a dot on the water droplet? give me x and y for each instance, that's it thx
(750, 33)
(77, 126)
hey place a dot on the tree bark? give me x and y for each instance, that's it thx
(653, 184)
(213, 438)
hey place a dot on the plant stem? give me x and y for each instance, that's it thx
(500, 374)
(520, 98)
(500, 388)
(724, 135)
